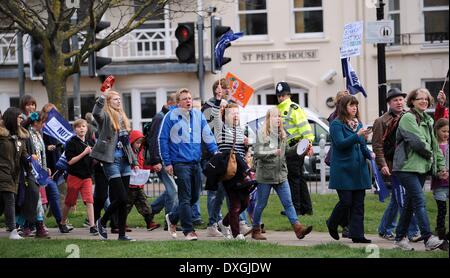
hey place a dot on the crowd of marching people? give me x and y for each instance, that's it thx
(189, 148)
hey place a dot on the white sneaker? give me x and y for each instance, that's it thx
(14, 235)
(226, 231)
(212, 231)
(240, 237)
(403, 244)
(171, 229)
(243, 227)
(432, 243)
(191, 236)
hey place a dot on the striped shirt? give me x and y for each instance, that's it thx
(224, 135)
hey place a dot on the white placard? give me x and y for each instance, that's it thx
(302, 146)
(139, 176)
(352, 39)
(381, 31)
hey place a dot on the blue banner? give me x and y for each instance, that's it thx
(398, 191)
(383, 192)
(224, 41)
(353, 84)
(252, 202)
(57, 127)
(62, 164)
(40, 174)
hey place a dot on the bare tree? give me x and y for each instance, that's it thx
(49, 23)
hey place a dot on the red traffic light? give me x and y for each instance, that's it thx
(184, 32)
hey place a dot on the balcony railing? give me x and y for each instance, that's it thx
(140, 44)
(144, 44)
(420, 38)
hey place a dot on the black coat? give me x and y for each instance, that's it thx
(217, 166)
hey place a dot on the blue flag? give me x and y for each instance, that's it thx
(252, 202)
(62, 164)
(353, 84)
(381, 187)
(40, 174)
(398, 191)
(57, 127)
(224, 41)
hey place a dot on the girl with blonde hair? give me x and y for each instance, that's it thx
(113, 149)
(271, 172)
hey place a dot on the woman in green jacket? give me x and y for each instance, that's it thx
(271, 172)
(417, 155)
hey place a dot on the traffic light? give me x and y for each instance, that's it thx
(185, 34)
(97, 62)
(217, 30)
(37, 66)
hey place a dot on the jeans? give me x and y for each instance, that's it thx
(9, 208)
(284, 194)
(196, 215)
(168, 199)
(189, 181)
(53, 198)
(353, 201)
(119, 168)
(214, 204)
(239, 200)
(414, 204)
(389, 220)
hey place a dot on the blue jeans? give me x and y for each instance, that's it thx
(414, 203)
(189, 181)
(119, 168)
(389, 220)
(214, 204)
(53, 197)
(196, 215)
(284, 194)
(168, 199)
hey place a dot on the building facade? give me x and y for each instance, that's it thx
(296, 41)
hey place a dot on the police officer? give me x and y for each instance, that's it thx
(297, 128)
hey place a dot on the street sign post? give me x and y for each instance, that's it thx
(381, 31)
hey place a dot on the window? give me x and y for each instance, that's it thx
(252, 17)
(435, 14)
(148, 105)
(394, 84)
(394, 14)
(87, 102)
(434, 87)
(126, 102)
(151, 40)
(318, 130)
(308, 16)
(14, 102)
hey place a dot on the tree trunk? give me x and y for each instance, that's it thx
(55, 80)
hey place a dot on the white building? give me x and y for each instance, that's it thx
(293, 40)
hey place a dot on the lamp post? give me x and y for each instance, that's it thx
(381, 59)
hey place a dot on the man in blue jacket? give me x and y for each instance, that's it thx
(182, 134)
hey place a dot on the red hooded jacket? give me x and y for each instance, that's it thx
(135, 135)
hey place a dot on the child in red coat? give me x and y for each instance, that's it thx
(136, 194)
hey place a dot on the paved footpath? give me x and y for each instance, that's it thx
(282, 238)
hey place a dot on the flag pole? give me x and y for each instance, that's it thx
(445, 81)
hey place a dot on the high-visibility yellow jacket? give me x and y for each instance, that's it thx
(295, 121)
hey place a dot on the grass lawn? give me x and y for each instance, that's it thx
(322, 204)
(184, 249)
